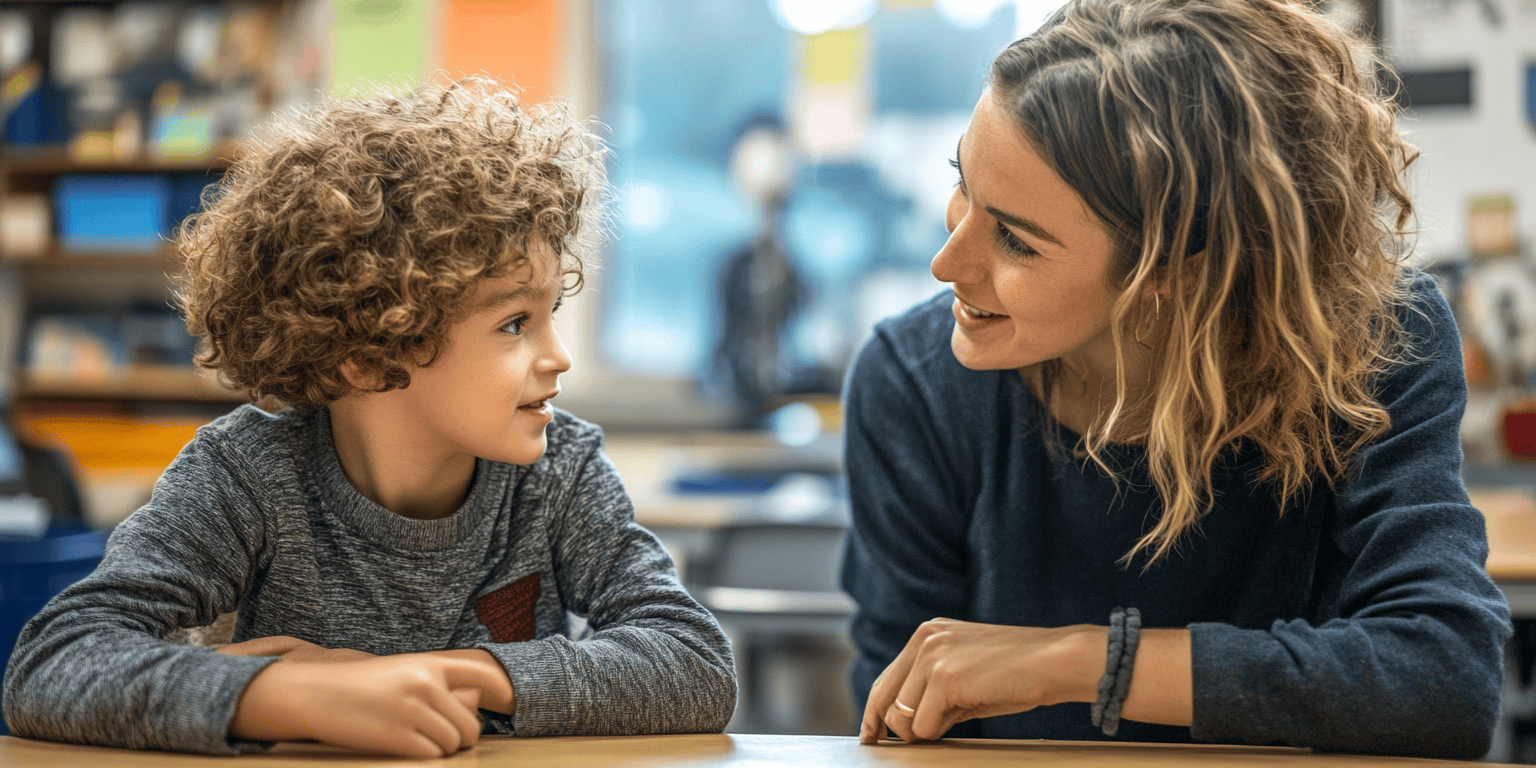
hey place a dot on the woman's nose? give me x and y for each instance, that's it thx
(962, 259)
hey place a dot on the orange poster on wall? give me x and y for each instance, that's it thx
(515, 41)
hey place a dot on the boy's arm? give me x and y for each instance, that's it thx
(493, 692)
(657, 661)
(416, 705)
(91, 667)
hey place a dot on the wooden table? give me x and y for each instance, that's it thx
(728, 751)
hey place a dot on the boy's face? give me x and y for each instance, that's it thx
(487, 393)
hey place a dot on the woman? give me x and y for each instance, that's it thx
(1182, 370)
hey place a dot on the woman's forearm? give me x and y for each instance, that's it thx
(1162, 687)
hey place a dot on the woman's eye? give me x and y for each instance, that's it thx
(515, 325)
(1011, 242)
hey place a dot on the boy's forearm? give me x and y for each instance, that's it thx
(503, 701)
(264, 712)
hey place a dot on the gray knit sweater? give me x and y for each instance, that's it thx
(256, 515)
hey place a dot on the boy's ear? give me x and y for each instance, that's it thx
(359, 377)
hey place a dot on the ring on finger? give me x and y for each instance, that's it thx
(904, 709)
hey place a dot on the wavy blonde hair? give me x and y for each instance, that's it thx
(354, 229)
(1246, 164)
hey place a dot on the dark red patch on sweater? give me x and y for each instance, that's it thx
(508, 612)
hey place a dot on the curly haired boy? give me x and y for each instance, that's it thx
(405, 540)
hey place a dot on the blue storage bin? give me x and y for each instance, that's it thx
(37, 119)
(112, 213)
(33, 570)
(187, 198)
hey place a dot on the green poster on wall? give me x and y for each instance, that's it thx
(378, 42)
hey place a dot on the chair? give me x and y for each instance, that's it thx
(773, 586)
(33, 569)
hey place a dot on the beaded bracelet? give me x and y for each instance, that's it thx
(1124, 636)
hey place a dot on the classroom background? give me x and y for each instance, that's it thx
(780, 172)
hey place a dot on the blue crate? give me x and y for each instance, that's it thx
(33, 570)
(113, 213)
(36, 119)
(187, 198)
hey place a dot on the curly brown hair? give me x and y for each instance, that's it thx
(351, 231)
(1244, 157)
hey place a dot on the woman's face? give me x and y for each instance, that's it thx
(1028, 262)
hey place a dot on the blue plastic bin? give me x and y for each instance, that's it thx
(187, 198)
(33, 570)
(113, 212)
(37, 119)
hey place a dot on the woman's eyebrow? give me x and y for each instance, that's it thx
(1018, 222)
(1024, 224)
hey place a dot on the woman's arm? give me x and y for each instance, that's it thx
(1405, 654)
(952, 671)
(906, 559)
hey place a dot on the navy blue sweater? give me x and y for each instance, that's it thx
(1361, 619)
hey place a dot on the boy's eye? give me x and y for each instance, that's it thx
(515, 325)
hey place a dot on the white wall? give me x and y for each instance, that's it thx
(1487, 149)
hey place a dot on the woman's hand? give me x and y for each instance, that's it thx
(293, 649)
(952, 671)
(414, 705)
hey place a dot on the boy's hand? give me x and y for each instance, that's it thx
(293, 649)
(414, 705)
(499, 698)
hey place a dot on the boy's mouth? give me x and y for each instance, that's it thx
(540, 404)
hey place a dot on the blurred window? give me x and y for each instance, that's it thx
(782, 174)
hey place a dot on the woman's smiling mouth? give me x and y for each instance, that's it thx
(974, 312)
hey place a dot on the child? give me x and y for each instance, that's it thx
(405, 540)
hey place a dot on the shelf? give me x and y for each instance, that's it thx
(54, 160)
(58, 259)
(144, 382)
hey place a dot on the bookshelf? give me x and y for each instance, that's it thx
(101, 156)
(104, 281)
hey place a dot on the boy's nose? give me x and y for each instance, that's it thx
(557, 359)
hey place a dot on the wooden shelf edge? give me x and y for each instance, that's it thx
(53, 160)
(56, 257)
(162, 383)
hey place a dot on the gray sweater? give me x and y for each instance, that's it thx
(256, 515)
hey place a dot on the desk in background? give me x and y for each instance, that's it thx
(764, 563)
(723, 751)
(1506, 494)
(686, 523)
(1511, 515)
